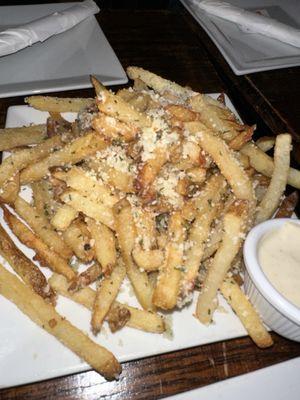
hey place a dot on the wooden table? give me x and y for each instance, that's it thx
(172, 44)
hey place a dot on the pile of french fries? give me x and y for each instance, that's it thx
(157, 183)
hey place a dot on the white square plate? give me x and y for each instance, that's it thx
(248, 52)
(62, 62)
(29, 354)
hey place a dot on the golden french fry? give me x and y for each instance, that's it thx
(168, 282)
(90, 275)
(139, 319)
(126, 234)
(45, 316)
(96, 210)
(71, 153)
(105, 245)
(22, 158)
(57, 104)
(78, 238)
(43, 254)
(287, 206)
(25, 268)
(106, 294)
(271, 200)
(10, 190)
(148, 260)
(22, 136)
(43, 198)
(63, 217)
(114, 129)
(234, 226)
(41, 226)
(246, 313)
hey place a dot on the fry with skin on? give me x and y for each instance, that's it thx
(287, 206)
(43, 254)
(271, 200)
(22, 158)
(234, 226)
(105, 245)
(246, 313)
(25, 268)
(78, 238)
(58, 104)
(43, 197)
(139, 319)
(168, 282)
(45, 316)
(21, 136)
(41, 226)
(90, 275)
(126, 234)
(106, 294)
(71, 153)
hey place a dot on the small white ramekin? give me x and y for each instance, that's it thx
(276, 311)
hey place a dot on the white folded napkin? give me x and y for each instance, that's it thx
(251, 21)
(12, 40)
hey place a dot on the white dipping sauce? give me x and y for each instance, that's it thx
(279, 258)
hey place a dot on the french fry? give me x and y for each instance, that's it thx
(63, 217)
(41, 226)
(107, 292)
(90, 275)
(126, 233)
(77, 179)
(78, 238)
(264, 164)
(22, 136)
(114, 129)
(246, 313)
(57, 104)
(168, 282)
(93, 209)
(271, 200)
(10, 190)
(265, 143)
(105, 245)
(43, 198)
(225, 160)
(45, 316)
(25, 268)
(22, 158)
(71, 153)
(287, 206)
(148, 260)
(43, 254)
(138, 99)
(139, 319)
(234, 226)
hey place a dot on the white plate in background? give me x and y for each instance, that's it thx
(248, 52)
(278, 382)
(63, 62)
(29, 354)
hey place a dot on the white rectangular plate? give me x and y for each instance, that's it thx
(249, 52)
(278, 382)
(28, 354)
(62, 62)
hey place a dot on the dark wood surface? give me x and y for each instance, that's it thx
(171, 43)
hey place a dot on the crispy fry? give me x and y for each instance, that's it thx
(43, 198)
(44, 315)
(57, 104)
(287, 206)
(168, 282)
(41, 226)
(246, 313)
(126, 233)
(265, 143)
(148, 260)
(43, 254)
(90, 275)
(10, 190)
(234, 226)
(105, 245)
(107, 292)
(22, 136)
(25, 268)
(71, 153)
(139, 319)
(78, 238)
(63, 217)
(114, 129)
(21, 159)
(271, 200)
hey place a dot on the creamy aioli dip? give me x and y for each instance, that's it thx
(279, 258)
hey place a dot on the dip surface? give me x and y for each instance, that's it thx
(279, 258)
